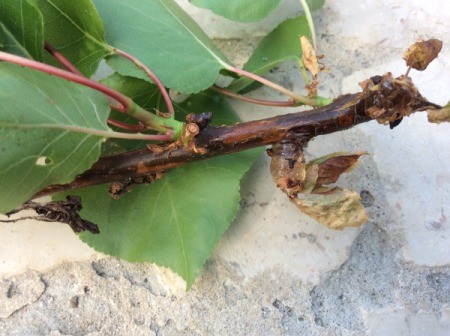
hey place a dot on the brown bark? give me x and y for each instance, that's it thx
(387, 98)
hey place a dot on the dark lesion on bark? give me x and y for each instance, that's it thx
(119, 188)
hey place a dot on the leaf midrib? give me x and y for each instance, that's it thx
(177, 224)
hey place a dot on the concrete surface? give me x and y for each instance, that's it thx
(276, 271)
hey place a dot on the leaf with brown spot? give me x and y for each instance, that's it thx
(439, 115)
(337, 210)
(422, 53)
(333, 165)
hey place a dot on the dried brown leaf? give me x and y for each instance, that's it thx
(389, 99)
(287, 167)
(312, 88)
(311, 63)
(66, 212)
(337, 210)
(331, 166)
(309, 58)
(440, 115)
(311, 176)
(422, 53)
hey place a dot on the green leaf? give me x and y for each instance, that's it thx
(239, 10)
(281, 45)
(47, 128)
(74, 28)
(142, 92)
(176, 221)
(162, 36)
(22, 26)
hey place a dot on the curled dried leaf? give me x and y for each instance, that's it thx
(389, 99)
(439, 115)
(309, 57)
(422, 53)
(66, 212)
(311, 62)
(311, 176)
(337, 210)
(304, 185)
(287, 167)
(332, 166)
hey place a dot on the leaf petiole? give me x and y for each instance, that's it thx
(232, 94)
(153, 77)
(150, 120)
(310, 22)
(298, 99)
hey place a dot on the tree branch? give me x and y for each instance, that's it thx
(384, 98)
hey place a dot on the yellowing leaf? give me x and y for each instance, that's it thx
(338, 210)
